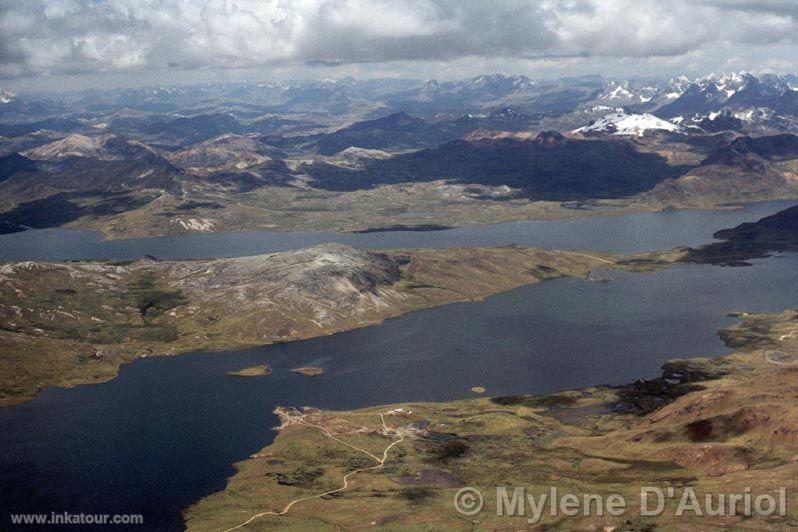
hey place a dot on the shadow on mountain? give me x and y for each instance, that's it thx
(58, 209)
(773, 234)
(546, 167)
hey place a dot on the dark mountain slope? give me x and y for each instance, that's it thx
(65, 207)
(104, 163)
(548, 166)
(398, 130)
(773, 148)
(146, 171)
(66, 125)
(15, 163)
(781, 227)
(775, 233)
(392, 132)
(182, 131)
(273, 172)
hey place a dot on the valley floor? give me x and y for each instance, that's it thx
(414, 206)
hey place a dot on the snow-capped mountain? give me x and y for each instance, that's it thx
(732, 120)
(627, 93)
(488, 84)
(737, 92)
(628, 124)
(759, 100)
(6, 96)
(727, 84)
(642, 94)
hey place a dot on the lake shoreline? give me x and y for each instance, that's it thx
(610, 233)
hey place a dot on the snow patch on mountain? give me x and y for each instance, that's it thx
(6, 96)
(629, 124)
(74, 145)
(755, 114)
(619, 92)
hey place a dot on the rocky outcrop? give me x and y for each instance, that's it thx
(322, 281)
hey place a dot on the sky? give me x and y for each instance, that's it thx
(83, 44)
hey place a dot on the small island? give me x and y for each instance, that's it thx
(309, 371)
(255, 371)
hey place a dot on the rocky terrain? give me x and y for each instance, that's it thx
(226, 152)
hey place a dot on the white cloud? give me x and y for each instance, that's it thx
(58, 37)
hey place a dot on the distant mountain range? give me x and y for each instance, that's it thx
(186, 114)
(739, 93)
(682, 142)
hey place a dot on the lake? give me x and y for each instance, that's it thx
(617, 234)
(166, 431)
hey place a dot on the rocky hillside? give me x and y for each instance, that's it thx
(233, 152)
(65, 323)
(292, 293)
(99, 164)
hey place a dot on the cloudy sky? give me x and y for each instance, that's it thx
(50, 44)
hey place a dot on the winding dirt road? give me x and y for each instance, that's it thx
(345, 480)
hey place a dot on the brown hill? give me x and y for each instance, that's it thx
(748, 169)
